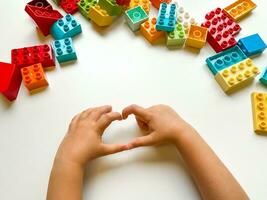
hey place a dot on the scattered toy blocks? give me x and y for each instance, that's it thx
(34, 77)
(10, 80)
(135, 17)
(252, 45)
(177, 37)
(156, 3)
(259, 112)
(123, 2)
(197, 36)
(143, 3)
(263, 78)
(64, 50)
(149, 31)
(112, 8)
(27, 56)
(225, 59)
(85, 5)
(69, 6)
(237, 76)
(239, 9)
(185, 19)
(99, 16)
(41, 4)
(166, 17)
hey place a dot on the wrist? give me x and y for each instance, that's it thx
(182, 133)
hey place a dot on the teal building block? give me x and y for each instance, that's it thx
(225, 59)
(112, 8)
(135, 17)
(263, 78)
(85, 5)
(64, 50)
(66, 27)
(167, 17)
(177, 37)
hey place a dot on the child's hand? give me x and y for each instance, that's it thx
(83, 142)
(162, 123)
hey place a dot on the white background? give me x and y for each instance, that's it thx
(119, 68)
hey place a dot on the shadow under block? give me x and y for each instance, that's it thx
(197, 36)
(145, 4)
(135, 17)
(259, 112)
(149, 31)
(177, 37)
(237, 76)
(99, 16)
(166, 17)
(64, 50)
(85, 5)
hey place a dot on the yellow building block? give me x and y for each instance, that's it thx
(149, 31)
(99, 16)
(197, 36)
(237, 76)
(239, 9)
(259, 112)
(145, 4)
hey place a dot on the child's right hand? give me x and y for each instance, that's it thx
(163, 124)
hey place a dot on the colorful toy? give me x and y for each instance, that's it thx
(166, 17)
(135, 17)
(185, 19)
(10, 80)
(252, 45)
(85, 5)
(69, 6)
(64, 50)
(197, 37)
(263, 78)
(112, 8)
(177, 37)
(156, 3)
(99, 16)
(41, 4)
(145, 4)
(259, 109)
(123, 2)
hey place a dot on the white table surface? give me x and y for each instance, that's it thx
(119, 68)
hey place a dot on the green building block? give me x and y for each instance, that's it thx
(57, 2)
(177, 37)
(135, 17)
(85, 5)
(112, 8)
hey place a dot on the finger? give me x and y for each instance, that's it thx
(74, 121)
(108, 149)
(144, 126)
(106, 119)
(136, 110)
(147, 140)
(98, 111)
(86, 112)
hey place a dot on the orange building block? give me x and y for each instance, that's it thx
(156, 3)
(197, 36)
(148, 29)
(34, 77)
(145, 4)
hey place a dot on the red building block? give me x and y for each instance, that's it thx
(156, 3)
(69, 6)
(123, 2)
(221, 30)
(10, 80)
(40, 4)
(44, 18)
(27, 56)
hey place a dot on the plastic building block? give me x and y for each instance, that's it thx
(34, 77)
(41, 4)
(123, 2)
(176, 38)
(143, 3)
(237, 76)
(259, 112)
(112, 8)
(252, 45)
(10, 80)
(135, 17)
(263, 78)
(44, 18)
(166, 17)
(85, 5)
(27, 56)
(66, 27)
(239, 9)
(99, 16)
(69, 6)
(185, 19)
(197, 36)
(57, 2)
(225, 59)
(156, 3)
(149, 31)
(64, 50)
(221, 30)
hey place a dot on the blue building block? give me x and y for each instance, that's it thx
(135, 17)
(225, 59)
(66, 27)
(252, 45)
(166, 17)
(263, 78)
(64, 50)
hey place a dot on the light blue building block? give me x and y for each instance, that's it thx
(66, 27)
(166, 17)
(64, 50)
(252, 45)
(135, 17)
(263, 78)
(225, 59)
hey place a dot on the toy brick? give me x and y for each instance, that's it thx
(225, 59)
(135, 17)
(123, 2)
(57, 2)
(197, 36)
(185, 19)
(263, 78)
(69, 6)
(149, 31)
(99, 16)
(66, 27)
(156, 3)
(237, 76)
(259, 112)
(239, 9)
(10, 80)
(27, 56)
(40, 4)
(177, 37)
(252, 45)
(166, 17)
(44, 18)
(221, 30)
(64, 50)
(143, 3)
(85, 5)
(34, 77)
(112, 8)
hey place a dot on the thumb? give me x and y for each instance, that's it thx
(147, 140)
(108, 149)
